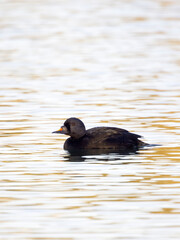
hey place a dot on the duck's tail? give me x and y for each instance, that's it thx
(142, 144)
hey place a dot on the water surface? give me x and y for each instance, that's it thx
(110, 63)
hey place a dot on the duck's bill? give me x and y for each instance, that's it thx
(58, 131)
(62, 130)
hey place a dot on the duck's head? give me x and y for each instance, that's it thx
(73, 127)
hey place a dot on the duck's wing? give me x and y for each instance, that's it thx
(110, 137)
(105, 132)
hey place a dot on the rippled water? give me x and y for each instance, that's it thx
(110, 63)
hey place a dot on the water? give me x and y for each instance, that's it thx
(110, 63)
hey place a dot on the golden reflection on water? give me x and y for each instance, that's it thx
(110, 64)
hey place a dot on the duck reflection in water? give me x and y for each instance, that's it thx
(81, 155)
(98, 140)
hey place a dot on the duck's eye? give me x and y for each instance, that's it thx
(67, 125)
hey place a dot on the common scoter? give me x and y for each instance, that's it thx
(98, 137)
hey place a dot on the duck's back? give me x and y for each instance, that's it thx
(104, 138)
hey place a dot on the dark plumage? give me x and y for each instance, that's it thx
(98, 138)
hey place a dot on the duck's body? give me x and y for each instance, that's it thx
(98, 137)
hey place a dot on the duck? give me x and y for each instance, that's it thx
(104, 138)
